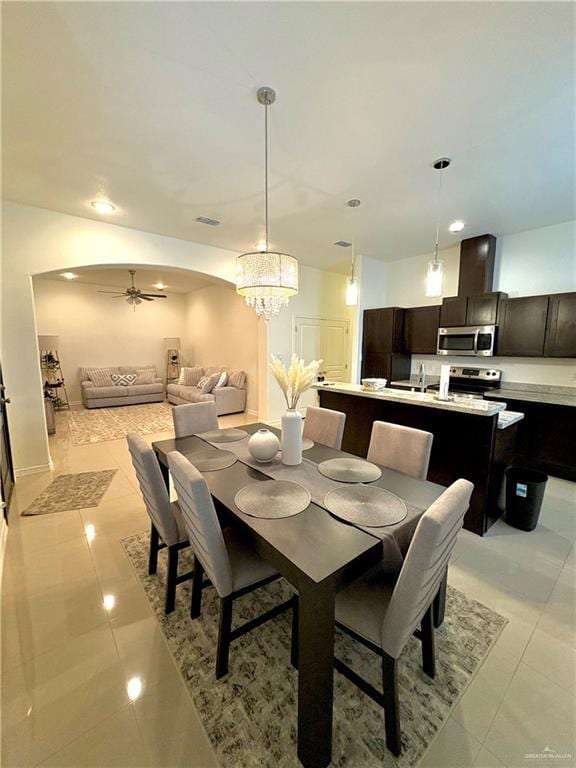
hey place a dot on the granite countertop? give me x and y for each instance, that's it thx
(473, 407)
(507, 418)
(535, 393)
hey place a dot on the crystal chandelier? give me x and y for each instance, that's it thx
(436, 266)
(266, 278)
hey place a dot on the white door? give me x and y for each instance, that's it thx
(309, 347)
(327, 340)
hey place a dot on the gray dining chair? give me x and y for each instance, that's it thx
(167, 527)
(325, 426)
(404, 449)
(192, 418)
(383, 614)
(226, 556)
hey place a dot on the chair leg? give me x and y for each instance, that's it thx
(196, 601)
(153, 556)
(224, 630)
(427, 638)
(440, 602)
(172, 576)
(391, 704)
(294, 640)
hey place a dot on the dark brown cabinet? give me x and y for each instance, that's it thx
(560, 338)
(453, 311)
(477, 259)
(383, 354)
(483, 309)
(421, 330)
(522, 326)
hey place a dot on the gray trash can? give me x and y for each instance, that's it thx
(524, 495)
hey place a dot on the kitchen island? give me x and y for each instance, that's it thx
(471, 440)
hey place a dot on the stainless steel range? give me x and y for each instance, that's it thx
(471, 382)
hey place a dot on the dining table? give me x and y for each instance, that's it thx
(318, 555)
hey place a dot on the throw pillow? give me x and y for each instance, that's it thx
(222, 381)
(191, 376)
(100, 377)
(237, 379)
(144, 377)
(123, 379)
(207, 383)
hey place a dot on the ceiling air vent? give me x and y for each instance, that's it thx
(343, 243)
(206, 220)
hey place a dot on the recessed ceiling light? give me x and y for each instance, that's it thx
(102, 206)
(456, 226)
(208, 220)
(69, 275)
(159, 285)
(343, 243)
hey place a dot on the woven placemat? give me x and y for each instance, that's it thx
(366, 505)
(212, 459)
(223, 435)
(307, 443)
(350, 470)
(272, 499)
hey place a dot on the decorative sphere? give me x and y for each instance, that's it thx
(263, 445)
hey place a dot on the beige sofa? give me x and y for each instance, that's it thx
(94, 396)
(228, 399)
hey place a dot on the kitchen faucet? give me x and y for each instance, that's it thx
(422, 378)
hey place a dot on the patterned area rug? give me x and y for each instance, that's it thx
(78, 491)
(250, 715)
(101, 424)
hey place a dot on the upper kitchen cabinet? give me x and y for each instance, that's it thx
(453, 311)
(522, 326)
(383, 344)
(421, 330)
(560, 338)
(483, 309)
(477, 258)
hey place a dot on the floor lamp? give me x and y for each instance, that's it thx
(172, 346)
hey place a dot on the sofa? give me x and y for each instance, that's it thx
(228, 398)
(105, 387)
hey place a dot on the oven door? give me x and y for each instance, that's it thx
(467, 340)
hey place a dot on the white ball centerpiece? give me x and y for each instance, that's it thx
(263, 446)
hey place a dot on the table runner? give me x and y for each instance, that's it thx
(395, 538)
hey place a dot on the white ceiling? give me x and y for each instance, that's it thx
(175, 280)
(152, 105)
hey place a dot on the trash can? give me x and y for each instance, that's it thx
(524, 494)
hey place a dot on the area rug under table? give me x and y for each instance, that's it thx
(77, 491)
(250, 715)
(97, 425)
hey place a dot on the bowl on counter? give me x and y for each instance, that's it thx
(374, 385)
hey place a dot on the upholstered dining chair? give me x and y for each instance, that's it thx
(233, 567)
(404, 449)
(383, 614)
(192, 418)
(167, 527)
(325, 426)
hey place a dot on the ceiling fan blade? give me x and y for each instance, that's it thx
(154, 295)
(144, 297)
(117, 293)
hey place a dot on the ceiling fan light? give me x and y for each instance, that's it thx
(103, 206)
(434, 278)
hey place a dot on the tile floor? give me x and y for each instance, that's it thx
(88, 680)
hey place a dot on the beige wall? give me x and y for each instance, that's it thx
(222, 330)
(97, 330)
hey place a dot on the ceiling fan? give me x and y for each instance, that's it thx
(134, 295)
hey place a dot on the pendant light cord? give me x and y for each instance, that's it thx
(266, 171)
(438, 217)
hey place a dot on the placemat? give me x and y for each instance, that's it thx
(307, 443)
(272, 499)
(230, 435)
(366, 505)
(211, 460)
(350, 470)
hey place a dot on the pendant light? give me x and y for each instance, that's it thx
(267, 279)
(436, 266)
(352, 282)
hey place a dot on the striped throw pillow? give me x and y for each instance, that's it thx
(237, 379)
(190, 377)
(100, 377)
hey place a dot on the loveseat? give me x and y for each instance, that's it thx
(121, 385)
(229, 397)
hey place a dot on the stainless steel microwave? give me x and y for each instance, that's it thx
(473, 340)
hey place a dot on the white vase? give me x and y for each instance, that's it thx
(263, 445)
(292, 437)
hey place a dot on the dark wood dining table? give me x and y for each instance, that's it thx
(318, 555)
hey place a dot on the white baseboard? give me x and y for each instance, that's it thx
(23, 471)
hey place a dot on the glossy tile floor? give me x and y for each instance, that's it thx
(88, 680)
